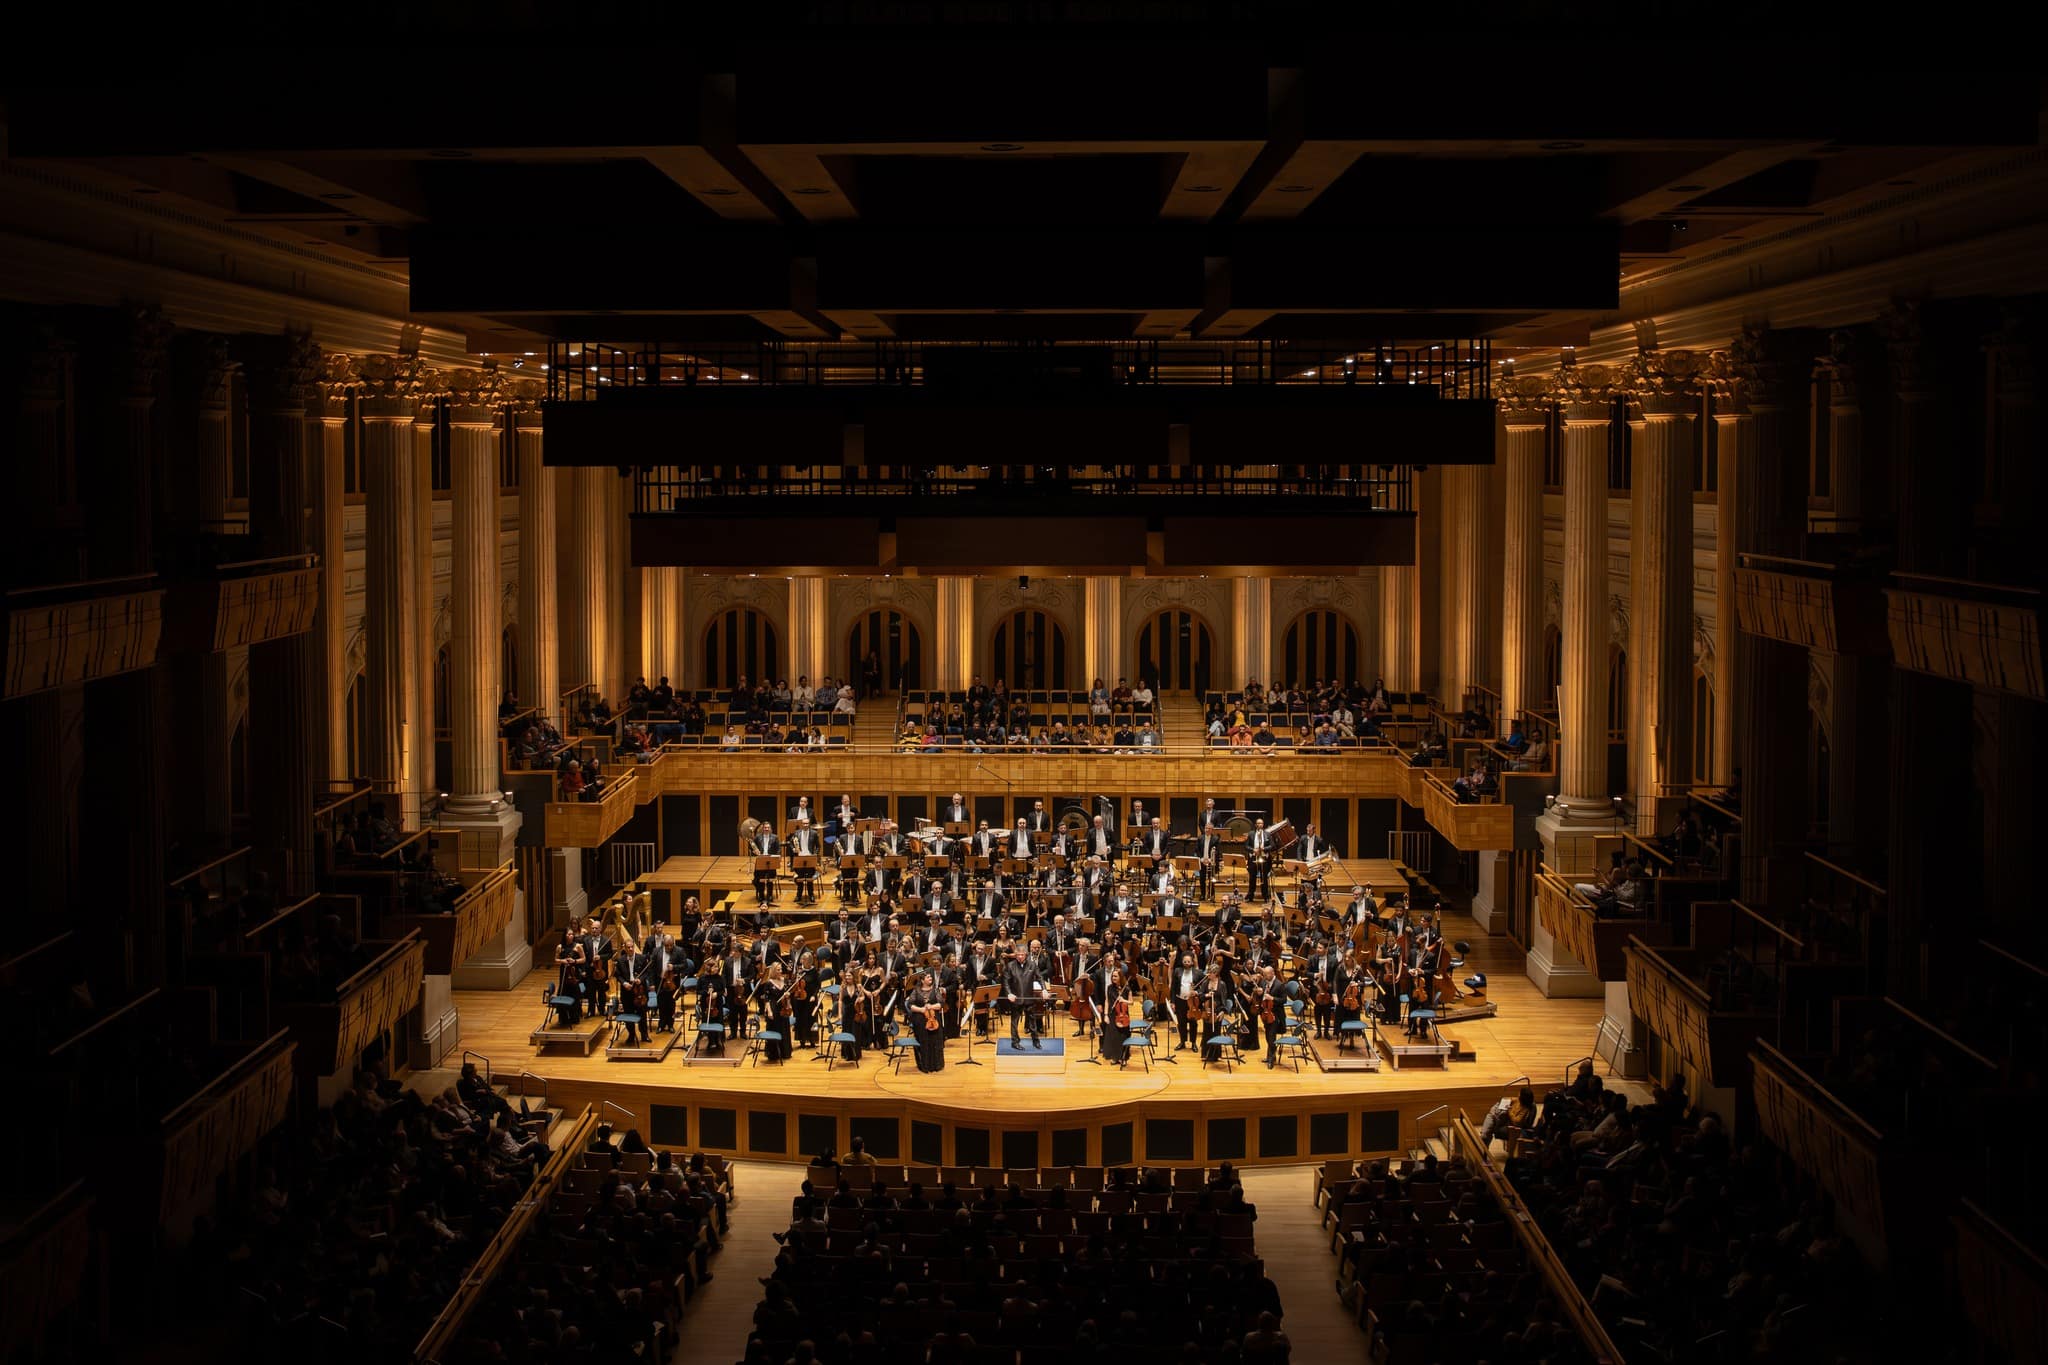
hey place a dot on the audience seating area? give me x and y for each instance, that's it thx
(1055, 1264)
(1430, 1264)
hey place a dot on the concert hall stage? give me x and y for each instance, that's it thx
(1080, 1114)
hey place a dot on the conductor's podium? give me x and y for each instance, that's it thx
(1022, 1059)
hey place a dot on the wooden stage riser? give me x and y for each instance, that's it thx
(1316, 1125)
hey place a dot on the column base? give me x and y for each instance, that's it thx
(502, 963)
(1486, 909)
(1620, 1039)
(1568, 829)
(571, 902)
(1558, 974)
(437, 1029)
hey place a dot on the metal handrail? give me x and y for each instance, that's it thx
(1570, 1067)
(607, 1104)
(468, 1053)
(1429, 1113)
(524, 1076)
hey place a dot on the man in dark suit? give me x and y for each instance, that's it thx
(1259, 861)
(804, 844)
(991, 903)
(1023, 984)
(1171, 905)
(1039, 819)
(1019, 845)
(763, 845)
(1152, 842)
(1209, 849)
(955, 812)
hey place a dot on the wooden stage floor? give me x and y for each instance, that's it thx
(1530, 1036)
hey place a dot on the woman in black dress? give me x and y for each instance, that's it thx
(1116, 1018)
(926, 1009)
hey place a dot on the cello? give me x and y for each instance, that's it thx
(1082, 1005)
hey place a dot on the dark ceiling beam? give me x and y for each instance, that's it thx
(1640, 187)
(382, 192)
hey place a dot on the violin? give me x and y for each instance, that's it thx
(1353, 995)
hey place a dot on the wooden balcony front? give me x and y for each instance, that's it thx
(1802, 602)
(1983, 634)
(208, 1133)
(1828, 1140)
(1183, 771)
(1570, 918)
(44, 1254)
(479, 915)
(77, 632)
(1471, 826)
(2004, 1285)
(1712, 1043)
(246, 603)
(331, 1034)
(587, 824)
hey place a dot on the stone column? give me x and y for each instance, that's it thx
(391, 660)
(1400, 605)
(1251, 653)
(954, 648)
(427, 775)
(585, 565)
(327, 480)
(1470, 626)
(1583, 808)
(124, 768)
(474, 655)
(1734, 429)
(199, 679)
(1102, 629)
(807, 623)
(1660, 570)
(1525, 411)
(539, 637)
(285, 676)
(621, 582)
(1760, 386)
(1454, 531)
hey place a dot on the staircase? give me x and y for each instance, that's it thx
(874, 725)
(1180, 719)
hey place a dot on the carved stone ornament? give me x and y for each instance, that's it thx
(1665, 382)
(356, 656)
(1838, 367)
(1522, 395)
(2011, 348)
(390, 376)
(479, 387)
(146, 339)
(1553, 603)
(1617, 618)
(217, 369)
(285, 372)
(1905, 345)
(1816, 690)
(1702, 641)
(1587, 392)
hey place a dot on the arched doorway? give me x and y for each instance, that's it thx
(1319, 644)
(740, 643)
(1176, 651)
(1029, 650)
(893, 639)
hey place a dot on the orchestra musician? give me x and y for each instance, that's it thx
(773, 992)
(1209, 850)
(1362, 909)
(1039, 818)
(1186, 979)
(804, 844)
(1116, 1018)
(764, 846)
(838, 929)
(735, 978)
(980, 969)
(926, 1008)
(1259, 861)
(1329, 987)
(1020, 841)
(1152, 843)
(1101, 843)
(987, 843)
(955, 812)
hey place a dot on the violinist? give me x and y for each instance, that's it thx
(1329, 988)
(569, 974)
(668, 988)
(803, 996)
(1350, 986)
(1116, 1018)
(925, 1008)
(711, 1003)
(1185, 981)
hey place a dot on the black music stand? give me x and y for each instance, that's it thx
(978, 997)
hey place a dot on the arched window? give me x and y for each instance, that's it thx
(1029, 650)
(893, 639)
(1553, 667)
(740, 643)
(1319, 645)
(1176, 651)
(1703, 727)
(1617, 692)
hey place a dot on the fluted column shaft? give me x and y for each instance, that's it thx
(327, 453)
(622, 587)
(585, 565)
(540, 638)
(1252, 631)
(426, 786)
(475, 658)
(1103, 624)
(1454, 525)
(1582, 770)
(1660, 620)
(1521, 585)
(954, 655)
(1400, 605)
(1468, 615)
(200, 680)
(807, 621)
(391, 661)
(1732, 432)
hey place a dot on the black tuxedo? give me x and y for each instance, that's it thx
(1019, 846)
(954, 815)
(1038, 820)
(1018, 979)
(1172, 905)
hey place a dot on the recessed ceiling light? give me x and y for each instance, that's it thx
(1202, 189)
(1562, 145)
(1296, 189)
(811, 189)
(720, 190)
(337, 194)
(1002, 146)
(449, 153)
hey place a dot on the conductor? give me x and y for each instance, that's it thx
(1023, 988)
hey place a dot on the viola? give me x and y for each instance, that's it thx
(1353, 996)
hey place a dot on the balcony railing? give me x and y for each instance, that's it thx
(1012, 488)
(332, 1034)
(76, 632)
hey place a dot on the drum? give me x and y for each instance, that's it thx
(1282, 836)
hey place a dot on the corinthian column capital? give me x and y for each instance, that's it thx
(1586, 393)
(1524, 399)
(1905, 345)
(474, 396)
(391, 384)
(285, 372)
(1665, 383)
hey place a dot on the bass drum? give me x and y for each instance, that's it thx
(1075, 821)
(1282, 835)
(1239, 826)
